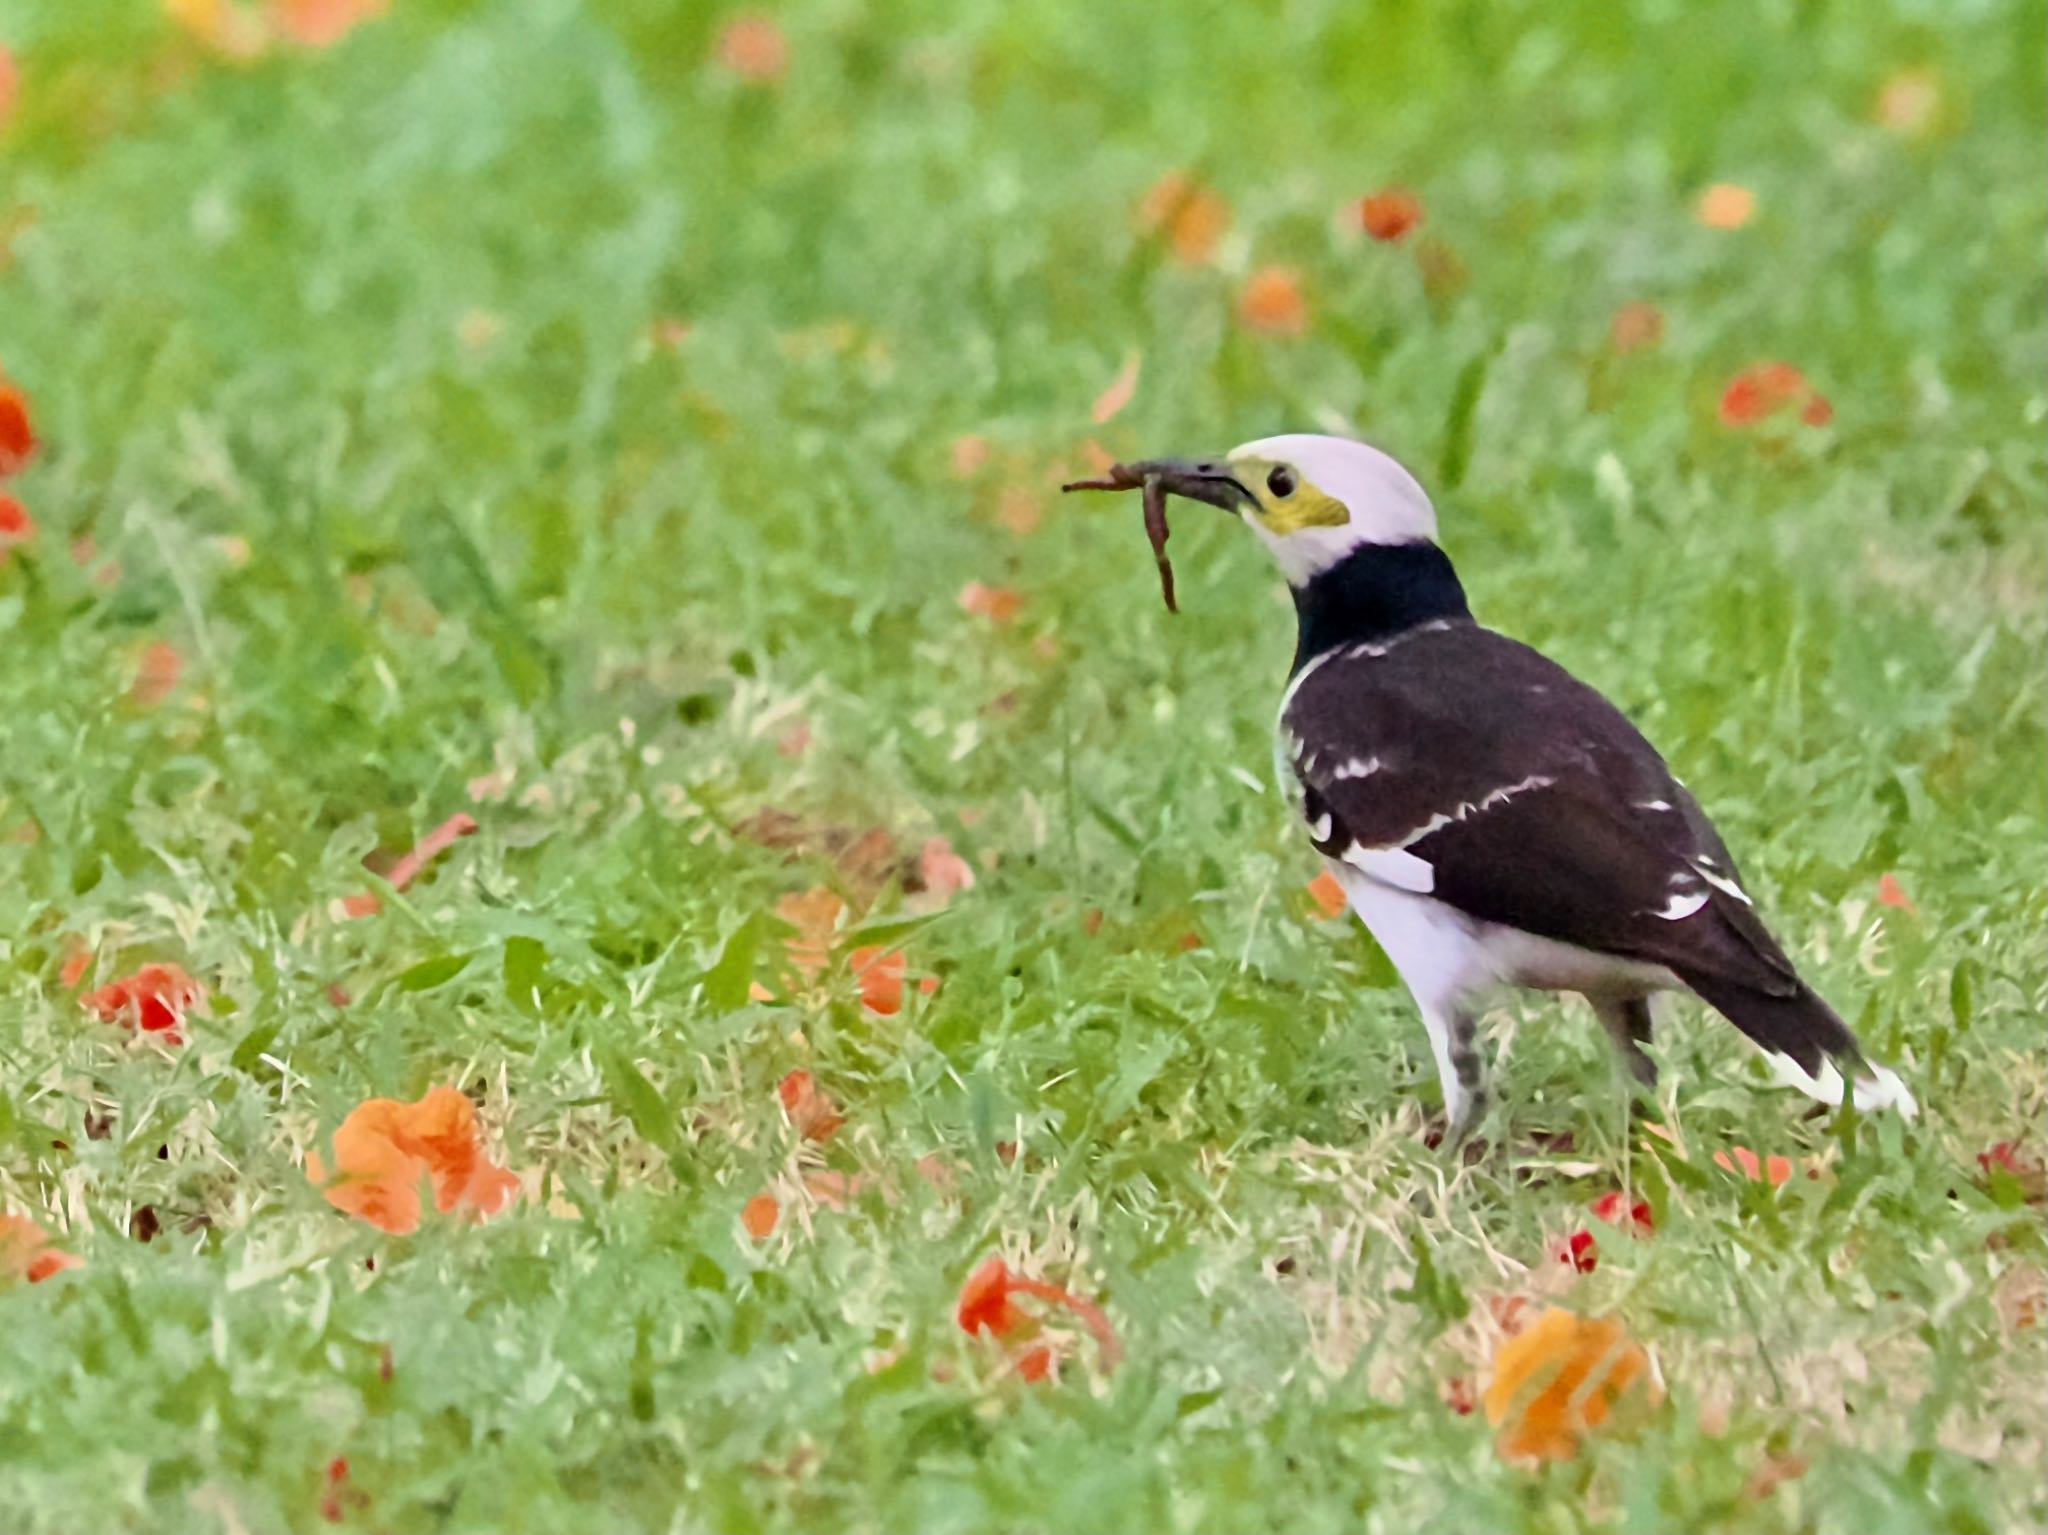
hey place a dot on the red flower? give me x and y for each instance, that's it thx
(1460, 1396)
(26, 1253)
(987, 1306)
(811, 1111)
(17, 435)
(16, 526)
(1763, 389)
(1615, 1209)
(1392, 213)
(1580, 1252)
(153, 1000)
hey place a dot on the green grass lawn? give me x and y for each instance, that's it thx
(363, 370)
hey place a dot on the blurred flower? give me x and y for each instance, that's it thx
(998, 604)
(26, 1253)
(1271, 302)
(988, 1306)
(156, 675)
(968, 456)
(1893, 894)
(1328, 895)
(1121, 388)
(1018, 510)
(16, 526)
(760, 1216)
(1392, 213)
(753, 49)
(1636, 325)
(815, 914)
(17, 432)
(338, 1497)
(154, 1000)
(1615, 1209)
(944, 872)
(1194, 218)
(1763, 389)
(77, 960)
(385, 1148)
(1746, 1163)
(228, 28)
(812, 1113)
(10, 84)
(1459, 1395)
(2007, 1159)
(478, 328)
(1909, 103)
(1725, 205)
(321, 23)
(1559, 1379)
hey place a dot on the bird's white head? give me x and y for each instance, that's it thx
(1312, 500)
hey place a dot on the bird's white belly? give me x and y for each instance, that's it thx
(1444, 955)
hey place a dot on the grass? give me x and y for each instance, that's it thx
(343, 357)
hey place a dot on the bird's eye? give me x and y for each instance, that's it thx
(1281, 482)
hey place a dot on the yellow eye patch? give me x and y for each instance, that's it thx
(1304, 507)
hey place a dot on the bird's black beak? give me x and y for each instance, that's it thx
(1198, 479)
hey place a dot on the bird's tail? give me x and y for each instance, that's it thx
(1808, 1046)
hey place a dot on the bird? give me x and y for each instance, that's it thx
(1494, 821)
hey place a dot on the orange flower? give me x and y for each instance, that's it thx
(1118, 394)
(1636, 326)
(1328, 895)
(997, 604)
(16, 526)
(1271, 302)
(384, 1148)
(1392, 213)
(1558, 1379)
(1763, 389)
(760, 1216)
(811, 1111)
(1778, 1170)
(1725, 205)
(156, 675)
(1893, 894)
(879, 974)
(154, 1000)
(1194, 218)
(321, 23)
(17, 433)
(987, 1306)
(753, 49)
(10, 84)
(26, 1253)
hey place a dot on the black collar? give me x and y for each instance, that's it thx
(1375, 591)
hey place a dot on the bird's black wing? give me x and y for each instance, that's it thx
(1458, 763)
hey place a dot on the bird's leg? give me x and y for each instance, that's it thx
(1627, 1021)
(1454, 1040)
